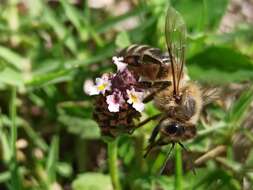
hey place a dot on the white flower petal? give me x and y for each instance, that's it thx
(135, 98)
(129, 101)
(121, 66)
(118, 61)
(99, 81)
(113, 107)
(94, 91)
(139, 106)
(89, 88)
(103, 84)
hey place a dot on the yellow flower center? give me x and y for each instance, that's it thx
(102, 87)
(134, 98)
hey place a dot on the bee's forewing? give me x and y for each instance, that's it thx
(175, 33)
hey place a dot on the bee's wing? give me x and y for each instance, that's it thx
(210, 94)
(175, 32)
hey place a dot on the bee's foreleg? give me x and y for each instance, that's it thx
(154, 134)
(145, 122)
(148, 120)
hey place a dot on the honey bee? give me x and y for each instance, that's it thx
(179, 99)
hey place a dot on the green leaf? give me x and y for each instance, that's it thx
(11, 77)
(206, 14)
(61, 31)
(220, 65)
(52, 160)
(5, 176)
(72, 14)
(237, 113)
(13, 58)
(6, 148)
(122, 40)
(83, 127)
(50, 78)
(111, 22)
(64, 169)
(92, 181)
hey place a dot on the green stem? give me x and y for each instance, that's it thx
(179, 169)
(113, 166)
(15, 183)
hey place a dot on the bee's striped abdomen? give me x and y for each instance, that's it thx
(147, 61)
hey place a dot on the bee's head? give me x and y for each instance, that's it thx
(177, 131)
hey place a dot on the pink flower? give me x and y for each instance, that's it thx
(118, 61)
(103, 84)
(135, 98)
(114, 101)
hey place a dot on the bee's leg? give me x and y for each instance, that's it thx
(148, 120)
(159, 85)
(154, 117)
(154, 134)
(150, 147)
(153, 144)
(167, 158)
(191, 162)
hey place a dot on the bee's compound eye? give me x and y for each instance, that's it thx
(172, 129)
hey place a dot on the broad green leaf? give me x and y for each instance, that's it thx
(83, 127)
(206, 14)
(220, 65)
(92, 181)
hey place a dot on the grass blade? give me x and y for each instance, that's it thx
(15, 178)
(52, 160)
(178, 168)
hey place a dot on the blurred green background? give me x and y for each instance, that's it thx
(47, 135)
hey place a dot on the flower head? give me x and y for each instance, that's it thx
(135, 98)
(103, 84)
(124, 80)
(114, 101)
(118, 61)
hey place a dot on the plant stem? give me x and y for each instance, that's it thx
(179, 169)
(112, 156)
(15, 183)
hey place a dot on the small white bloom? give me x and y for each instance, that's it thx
(114, 101)
(135, 98)
(90, 88)
(118, 61)
(102, 84)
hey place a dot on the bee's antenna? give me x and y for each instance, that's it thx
(167, 158)
(192, 164)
